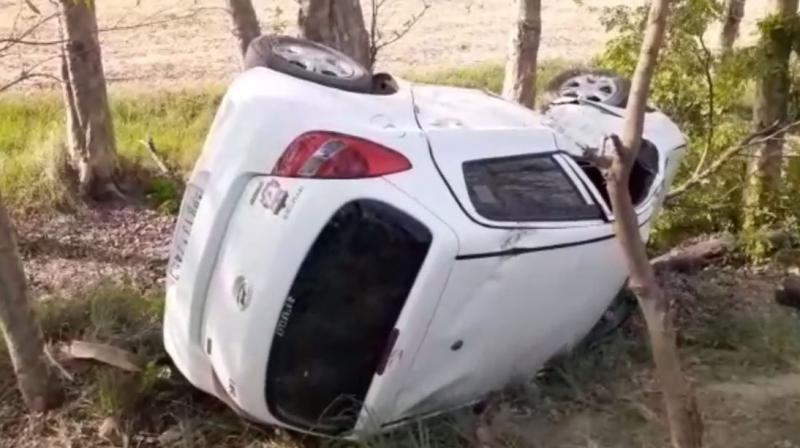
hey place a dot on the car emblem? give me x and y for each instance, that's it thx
(273, 197)
(241, 292)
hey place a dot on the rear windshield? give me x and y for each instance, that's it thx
(525, 188)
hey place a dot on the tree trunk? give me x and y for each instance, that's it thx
(733, 14)
(35, 378)
(90, 133)
(771, 107)
(245, 22)
(682, 412)
(338, 24)
(520, 79)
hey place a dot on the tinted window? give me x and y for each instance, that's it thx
(525, 188)
(340, 314)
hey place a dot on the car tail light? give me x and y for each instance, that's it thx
(327, 155)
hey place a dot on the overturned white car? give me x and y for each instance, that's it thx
(354, 251)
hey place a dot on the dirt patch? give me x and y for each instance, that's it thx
(64, 252)
(759, 412)
(189, 41)
(740, 349)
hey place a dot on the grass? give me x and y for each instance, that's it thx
(609, 386)
(600, 396)
(486, 76)
(32, 130)
(32, 142)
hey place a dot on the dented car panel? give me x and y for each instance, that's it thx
(344, 306)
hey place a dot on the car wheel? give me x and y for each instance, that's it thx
(601, 86)
(308, 60)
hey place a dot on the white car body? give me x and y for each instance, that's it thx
(492, 300)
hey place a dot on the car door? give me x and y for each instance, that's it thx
(538, 265)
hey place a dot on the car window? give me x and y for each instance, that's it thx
(643, 175)
(526, 188)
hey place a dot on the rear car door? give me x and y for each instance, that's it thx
(538, 265)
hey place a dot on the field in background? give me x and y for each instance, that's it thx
(32, 133)
(181, 50)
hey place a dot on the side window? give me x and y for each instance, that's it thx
(643, 174)
(526, 188)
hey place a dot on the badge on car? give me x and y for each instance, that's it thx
(273, 197)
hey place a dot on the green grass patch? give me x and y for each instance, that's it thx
(486, 76)
(32, 138)
(33, 150)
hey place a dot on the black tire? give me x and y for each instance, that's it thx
(262, 53)
(558, 87)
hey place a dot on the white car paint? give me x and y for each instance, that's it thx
(492, 302)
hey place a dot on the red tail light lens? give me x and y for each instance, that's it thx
(327, 155)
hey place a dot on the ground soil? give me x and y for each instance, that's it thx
(189, 41)
(744, 404)
(65, 252)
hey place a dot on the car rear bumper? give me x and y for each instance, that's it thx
(271, 229)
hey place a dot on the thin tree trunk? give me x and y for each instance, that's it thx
(771, 107)
(520, 78)
(94, 151)
(682, 412)
(35, 377)
(338, 24)
(245, 22)
(732, 19)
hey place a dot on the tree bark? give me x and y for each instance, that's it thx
(682, 412)
(90, 129)
(35, 377)
(245, 22)
(338, 24)
(733, 14)
(771, 108)
(520, 77)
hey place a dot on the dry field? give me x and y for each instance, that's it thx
(189, 41)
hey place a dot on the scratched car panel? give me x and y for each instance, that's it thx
(368, 260)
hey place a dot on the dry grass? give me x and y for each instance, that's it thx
(742, 351)
(200, 48)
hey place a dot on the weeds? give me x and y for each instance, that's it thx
(32, 134)
(32, 141)
(599, 396)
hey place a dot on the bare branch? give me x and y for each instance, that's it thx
(706, 61)
(146, 22)
(153, 151)
(29, 73)
(751, 140)
(377, 43)
(32, 7)
(7, 43)
(35, 43)
(406, 28)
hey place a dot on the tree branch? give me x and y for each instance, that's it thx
(376, 41)
(29, 73)
(21, 38)
(751, 140)
(706, 61)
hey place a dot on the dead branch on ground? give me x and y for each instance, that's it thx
(160, 162)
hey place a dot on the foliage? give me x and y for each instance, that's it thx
(165, 195)
(32, 130)
(705, 93)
